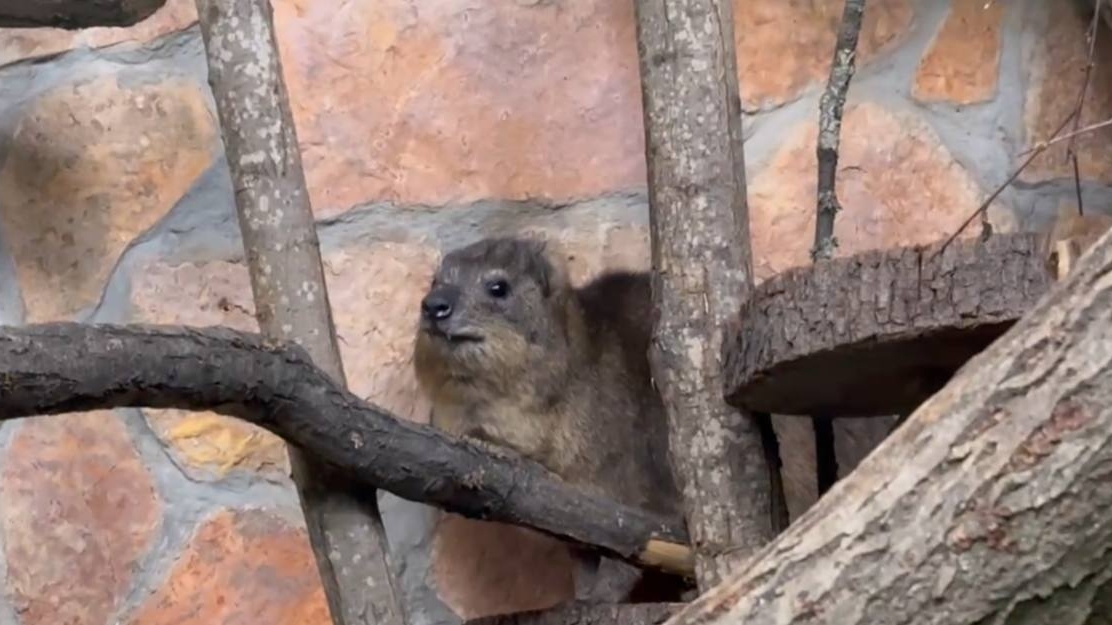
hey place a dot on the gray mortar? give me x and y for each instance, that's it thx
(8, 614)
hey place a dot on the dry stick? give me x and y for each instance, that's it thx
(702, 266)
(830, 127)
(1071, 152)
(1077, 185)
(1033, 153)
(291, 299)
(827, 205)
(55, 368)
(1090, 62)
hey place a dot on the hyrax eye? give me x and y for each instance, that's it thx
(498, 288)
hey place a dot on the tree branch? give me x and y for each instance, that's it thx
(291, 297)
(830, 128)
(75, 14)
(988, 505)
(64, 367)
(702, 272)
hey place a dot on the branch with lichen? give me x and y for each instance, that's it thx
(830, 127)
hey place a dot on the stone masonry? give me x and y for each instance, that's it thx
(425, 126)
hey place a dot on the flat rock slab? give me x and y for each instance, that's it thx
(878, 333)
(578, 613)
(75, 14)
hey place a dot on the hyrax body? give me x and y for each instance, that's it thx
(510, 353)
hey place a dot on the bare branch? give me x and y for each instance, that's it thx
(64, 367)
(830, 128)
(291, 299)
(1032, 154)
(1091, 36)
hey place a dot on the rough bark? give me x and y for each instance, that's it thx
(74, 14)
(702, 271)
(55, 368)
(989, 505)
(831, 104)
(586, 614)
(810, 345)
(291, 299)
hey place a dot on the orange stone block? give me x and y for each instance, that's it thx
(1057, 74)
(455, 101)
(592, 248)
(242, 567)
(92, 165)
(898, 186)
(963, 63)
(80, 512)
(785, 46)
(204, 444)
(376, 290)
(23, 43)
(484, 568)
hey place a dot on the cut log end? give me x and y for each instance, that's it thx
(878, 333)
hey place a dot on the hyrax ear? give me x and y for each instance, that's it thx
(551, 271)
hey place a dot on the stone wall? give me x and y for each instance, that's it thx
(424, 126)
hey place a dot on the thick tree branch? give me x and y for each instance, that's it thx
(74, 14)
(990, 504)
(831, 104)
(64, 367)
(702, 271)
(291, 298)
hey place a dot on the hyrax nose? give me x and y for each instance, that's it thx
(438, 305)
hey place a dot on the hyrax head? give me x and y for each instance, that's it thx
(495, 309)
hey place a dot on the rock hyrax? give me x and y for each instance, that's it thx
(510, 353)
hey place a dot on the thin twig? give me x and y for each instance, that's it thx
(830, 125)
(1043, 145)
(1039, 148)
(1092, 38)
(1077, 185)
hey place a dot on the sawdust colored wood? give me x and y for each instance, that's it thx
(586, 614)
(877, 333)
(75, 14)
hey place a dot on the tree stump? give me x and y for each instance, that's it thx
(877, 333)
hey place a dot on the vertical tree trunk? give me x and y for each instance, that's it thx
(287, 278)
(702, 271)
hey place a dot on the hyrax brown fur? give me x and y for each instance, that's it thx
(510, 353)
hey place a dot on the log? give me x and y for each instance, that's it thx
(291, 298)
(56, 368)
(579, 613)
(75, 14)
(702, 272)
(989, 505)
(877, 333)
